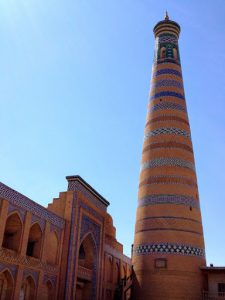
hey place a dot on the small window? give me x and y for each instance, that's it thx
(221, 287)
(161, 263)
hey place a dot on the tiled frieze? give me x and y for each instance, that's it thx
(15, 258)
(167, 83)
(76, 186)
(167, 106)
(167, 161)
(27, 204)
(167, 39)
(168, 199)
(164, 248)
(167, 94)
(165, 130)
(166, 71)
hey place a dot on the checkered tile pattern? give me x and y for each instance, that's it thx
(167, 161)
(167, 106)
(170, 130)
(162, 248)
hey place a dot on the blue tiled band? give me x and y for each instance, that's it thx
(167, 248)
(167, 106)
(167, 71)
(171, 130)
(167, 83)
(168, 199)
(167, 94)
(167, 161)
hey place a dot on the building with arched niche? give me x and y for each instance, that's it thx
(66, 251)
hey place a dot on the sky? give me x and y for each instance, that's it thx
(74, 83)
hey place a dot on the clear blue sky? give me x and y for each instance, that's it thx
(74, 80)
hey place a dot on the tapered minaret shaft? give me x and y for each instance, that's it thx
(168, 246)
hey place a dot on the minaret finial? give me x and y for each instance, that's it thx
(166, 16)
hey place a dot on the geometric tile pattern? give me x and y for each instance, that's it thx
(168, 199)
(12, 268)
(166, 248)
(167, 39)
(167, 83)
(167, 161)
(23, 202)
(167, 94)
(167, 106)
(171, 130)
(167, 71)
(76, 186)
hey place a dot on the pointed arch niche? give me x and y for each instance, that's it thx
(6, 285)
(28, 289)
(13, 232)
(86, 268)
(34, 241)
(48, 291)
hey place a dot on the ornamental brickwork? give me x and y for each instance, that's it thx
(67, 251)
(168, 246)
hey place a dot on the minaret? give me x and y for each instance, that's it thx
(168, 245)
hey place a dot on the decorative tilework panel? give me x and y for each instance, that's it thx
(51, 278)
(76, 186)
(167, 71)
(15, 258)
(57, 230)
(166, 248)
(167, 39)
(168, 199)
(167, 106)
(32, 273)
(164, 145)
(167, 83)
(167, 94)
(167, 161)
(171, 130)
(166, 60)
(11, 268)
(41, 222)
(23, 202)
(13, 208)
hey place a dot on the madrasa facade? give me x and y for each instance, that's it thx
(69, 250)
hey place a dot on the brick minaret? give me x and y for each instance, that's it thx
(168, 246)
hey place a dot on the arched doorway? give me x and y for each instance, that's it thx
(6, 285)
(13, 232)
(28, 289)
(34, 241)
(86, 269)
